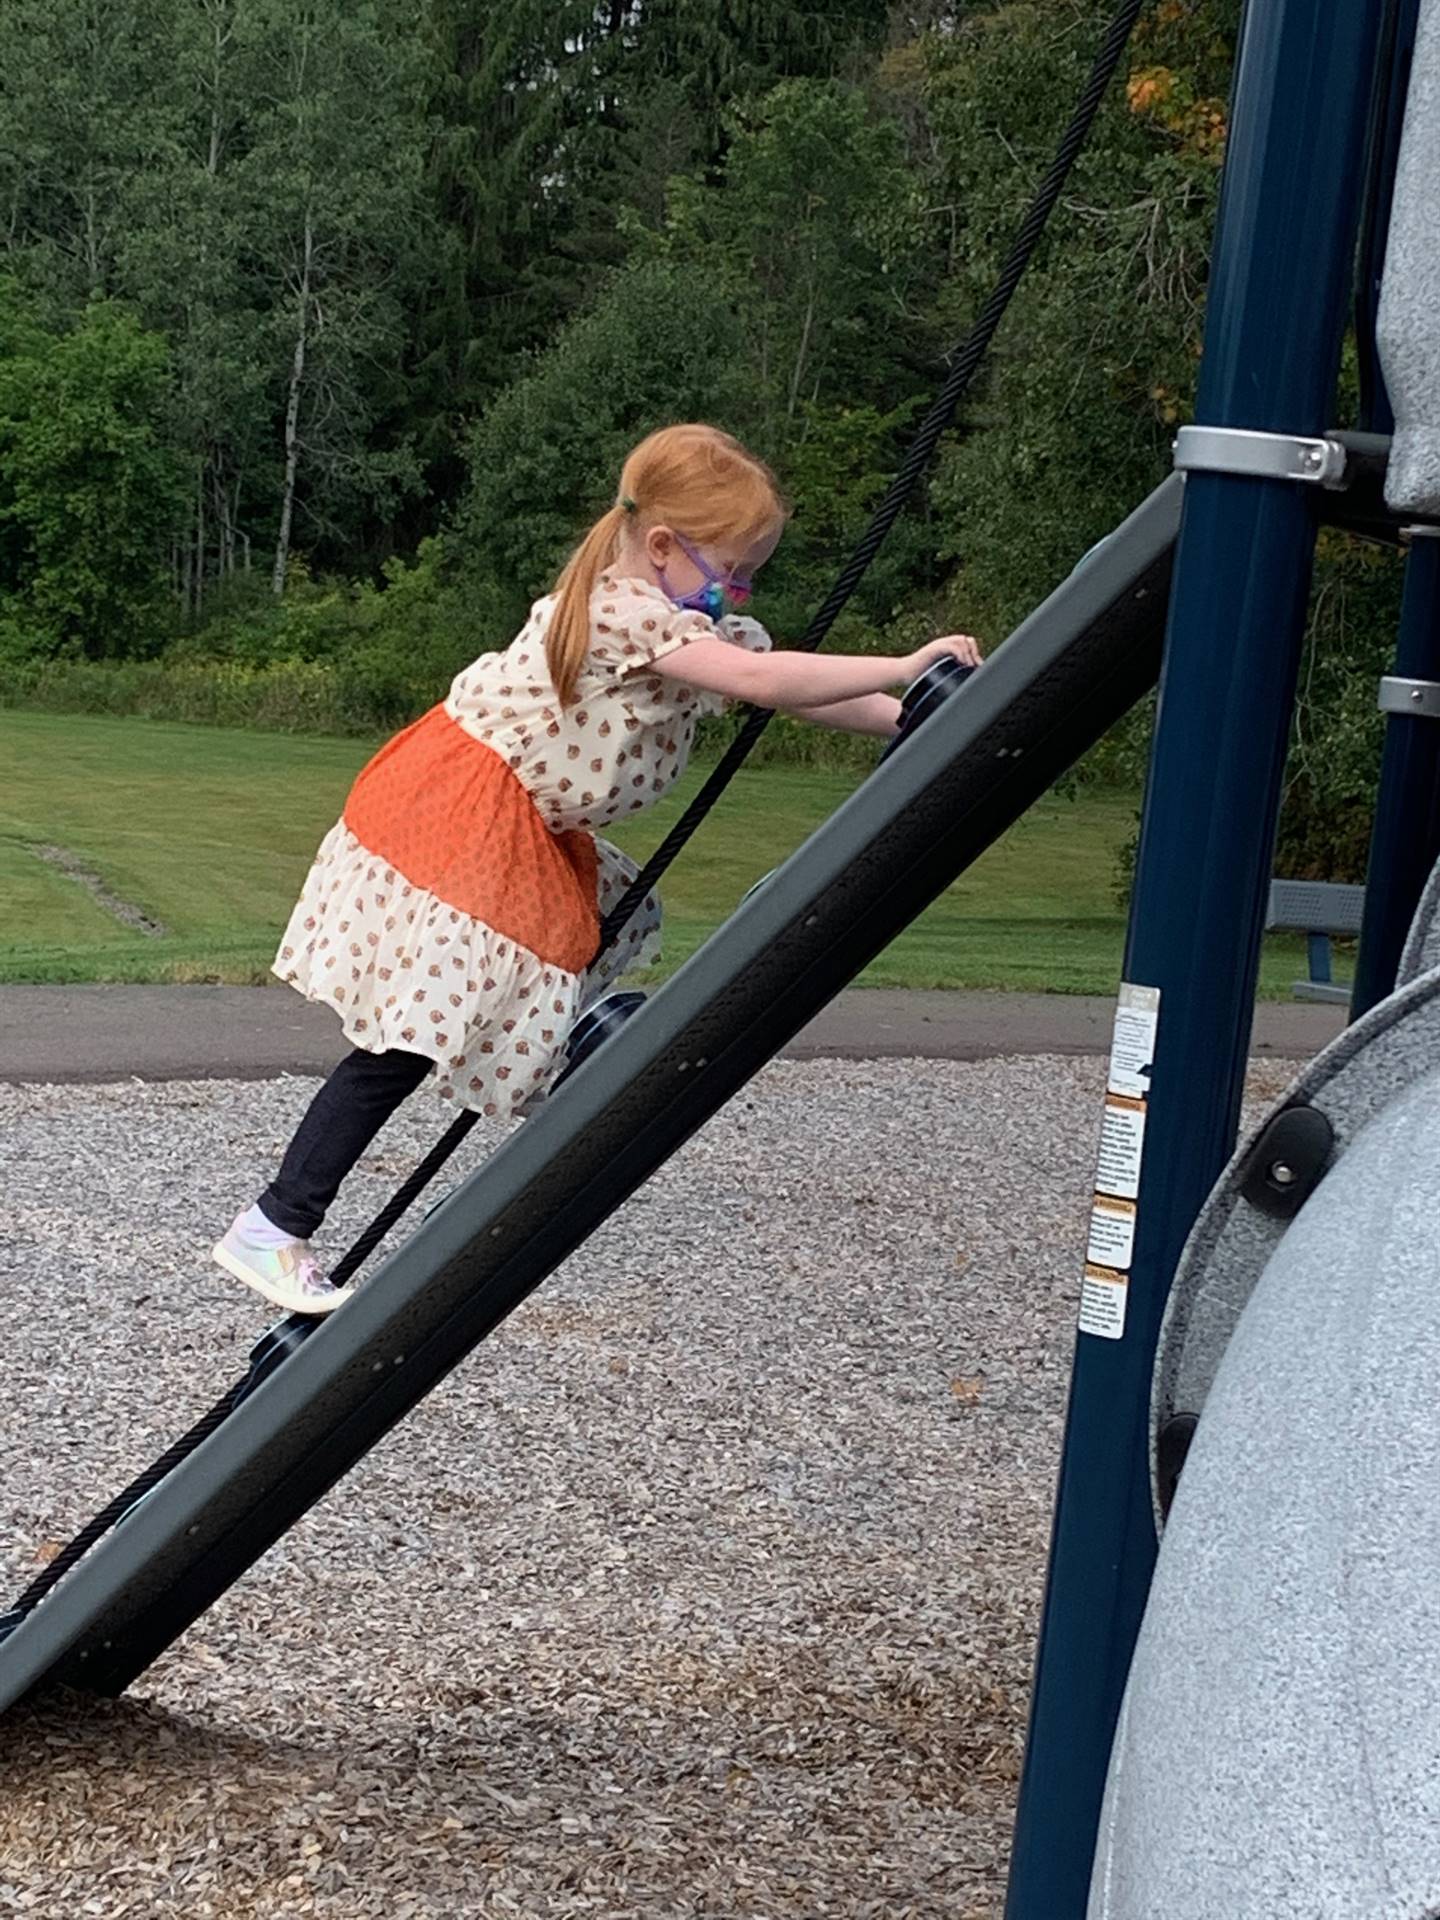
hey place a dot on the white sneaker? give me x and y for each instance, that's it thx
(288, 1275)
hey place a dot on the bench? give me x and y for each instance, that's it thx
(1318, 909)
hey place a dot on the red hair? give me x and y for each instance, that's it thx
(693, 478)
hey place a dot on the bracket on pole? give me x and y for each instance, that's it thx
(1417, 697)
(1261, 456)
(1345, 469)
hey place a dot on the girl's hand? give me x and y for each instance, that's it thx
(957, 646)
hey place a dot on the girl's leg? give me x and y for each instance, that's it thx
(341, 1121)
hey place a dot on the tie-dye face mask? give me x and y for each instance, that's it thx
(719, 590)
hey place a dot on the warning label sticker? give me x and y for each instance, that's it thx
(1122, 1142)
(1132, 1047)
(1110, 1250)
(1102, 1302)
(1112, 1233)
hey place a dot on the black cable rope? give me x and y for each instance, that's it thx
(400, 1202)
(100, 1525)
(966, 363)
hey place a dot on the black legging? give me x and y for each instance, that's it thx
(339, 1124)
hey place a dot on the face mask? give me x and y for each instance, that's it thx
(709, 599)
(716, 594)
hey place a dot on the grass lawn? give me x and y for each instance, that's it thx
(210, 834)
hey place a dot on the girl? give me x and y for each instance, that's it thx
(452, 914)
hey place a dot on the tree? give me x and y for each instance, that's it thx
(814, 232)
(779, 301)
(1097, 357)
(88, 488)
(331, 180)
(557, 122)
(545, 456)
(185, 266)
(80, 124)
(250, 178)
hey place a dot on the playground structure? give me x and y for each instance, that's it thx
(1216, 567)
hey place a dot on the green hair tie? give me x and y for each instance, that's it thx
(627, 505)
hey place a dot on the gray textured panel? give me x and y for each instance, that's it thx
(1422, 946)
(1350, 1081)
(1408, 325)
(1278, 1754)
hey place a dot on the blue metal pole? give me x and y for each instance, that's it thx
(1405, 839)
(1280, 279)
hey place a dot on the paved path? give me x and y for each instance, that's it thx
(256, 1033)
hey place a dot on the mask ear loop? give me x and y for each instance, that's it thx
(710, 599)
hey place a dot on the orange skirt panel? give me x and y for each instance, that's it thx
(448, 814)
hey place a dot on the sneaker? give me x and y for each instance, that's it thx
(289, 1275)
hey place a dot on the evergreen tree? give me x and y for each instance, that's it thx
(88, 488)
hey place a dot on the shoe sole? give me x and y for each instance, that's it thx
(281, 1296)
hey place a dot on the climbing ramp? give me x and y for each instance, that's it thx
(1042, 699)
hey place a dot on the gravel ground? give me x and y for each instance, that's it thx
(708, 1586)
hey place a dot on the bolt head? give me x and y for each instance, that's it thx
(1282, 1174)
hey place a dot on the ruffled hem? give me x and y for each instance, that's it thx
(405, 969)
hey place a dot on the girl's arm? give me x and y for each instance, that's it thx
(801, 682)
(875, 713)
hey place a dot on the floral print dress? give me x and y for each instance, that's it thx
(454, 909)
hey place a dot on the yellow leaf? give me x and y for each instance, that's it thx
(1149, 88)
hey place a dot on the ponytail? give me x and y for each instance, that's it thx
(568, 639)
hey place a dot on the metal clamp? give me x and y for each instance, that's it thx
(1399, 695)
(1260, 456)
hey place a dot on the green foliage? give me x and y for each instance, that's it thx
(1335, 749)
(559, 123)
(382, 653)
(368, 301)
(286, 696)
(775, 302)
(656, 346)
(84, 129)
(88, 489)
(815, 232)
(332, 177)
(1096, 361)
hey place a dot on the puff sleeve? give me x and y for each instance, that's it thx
(741, 631)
